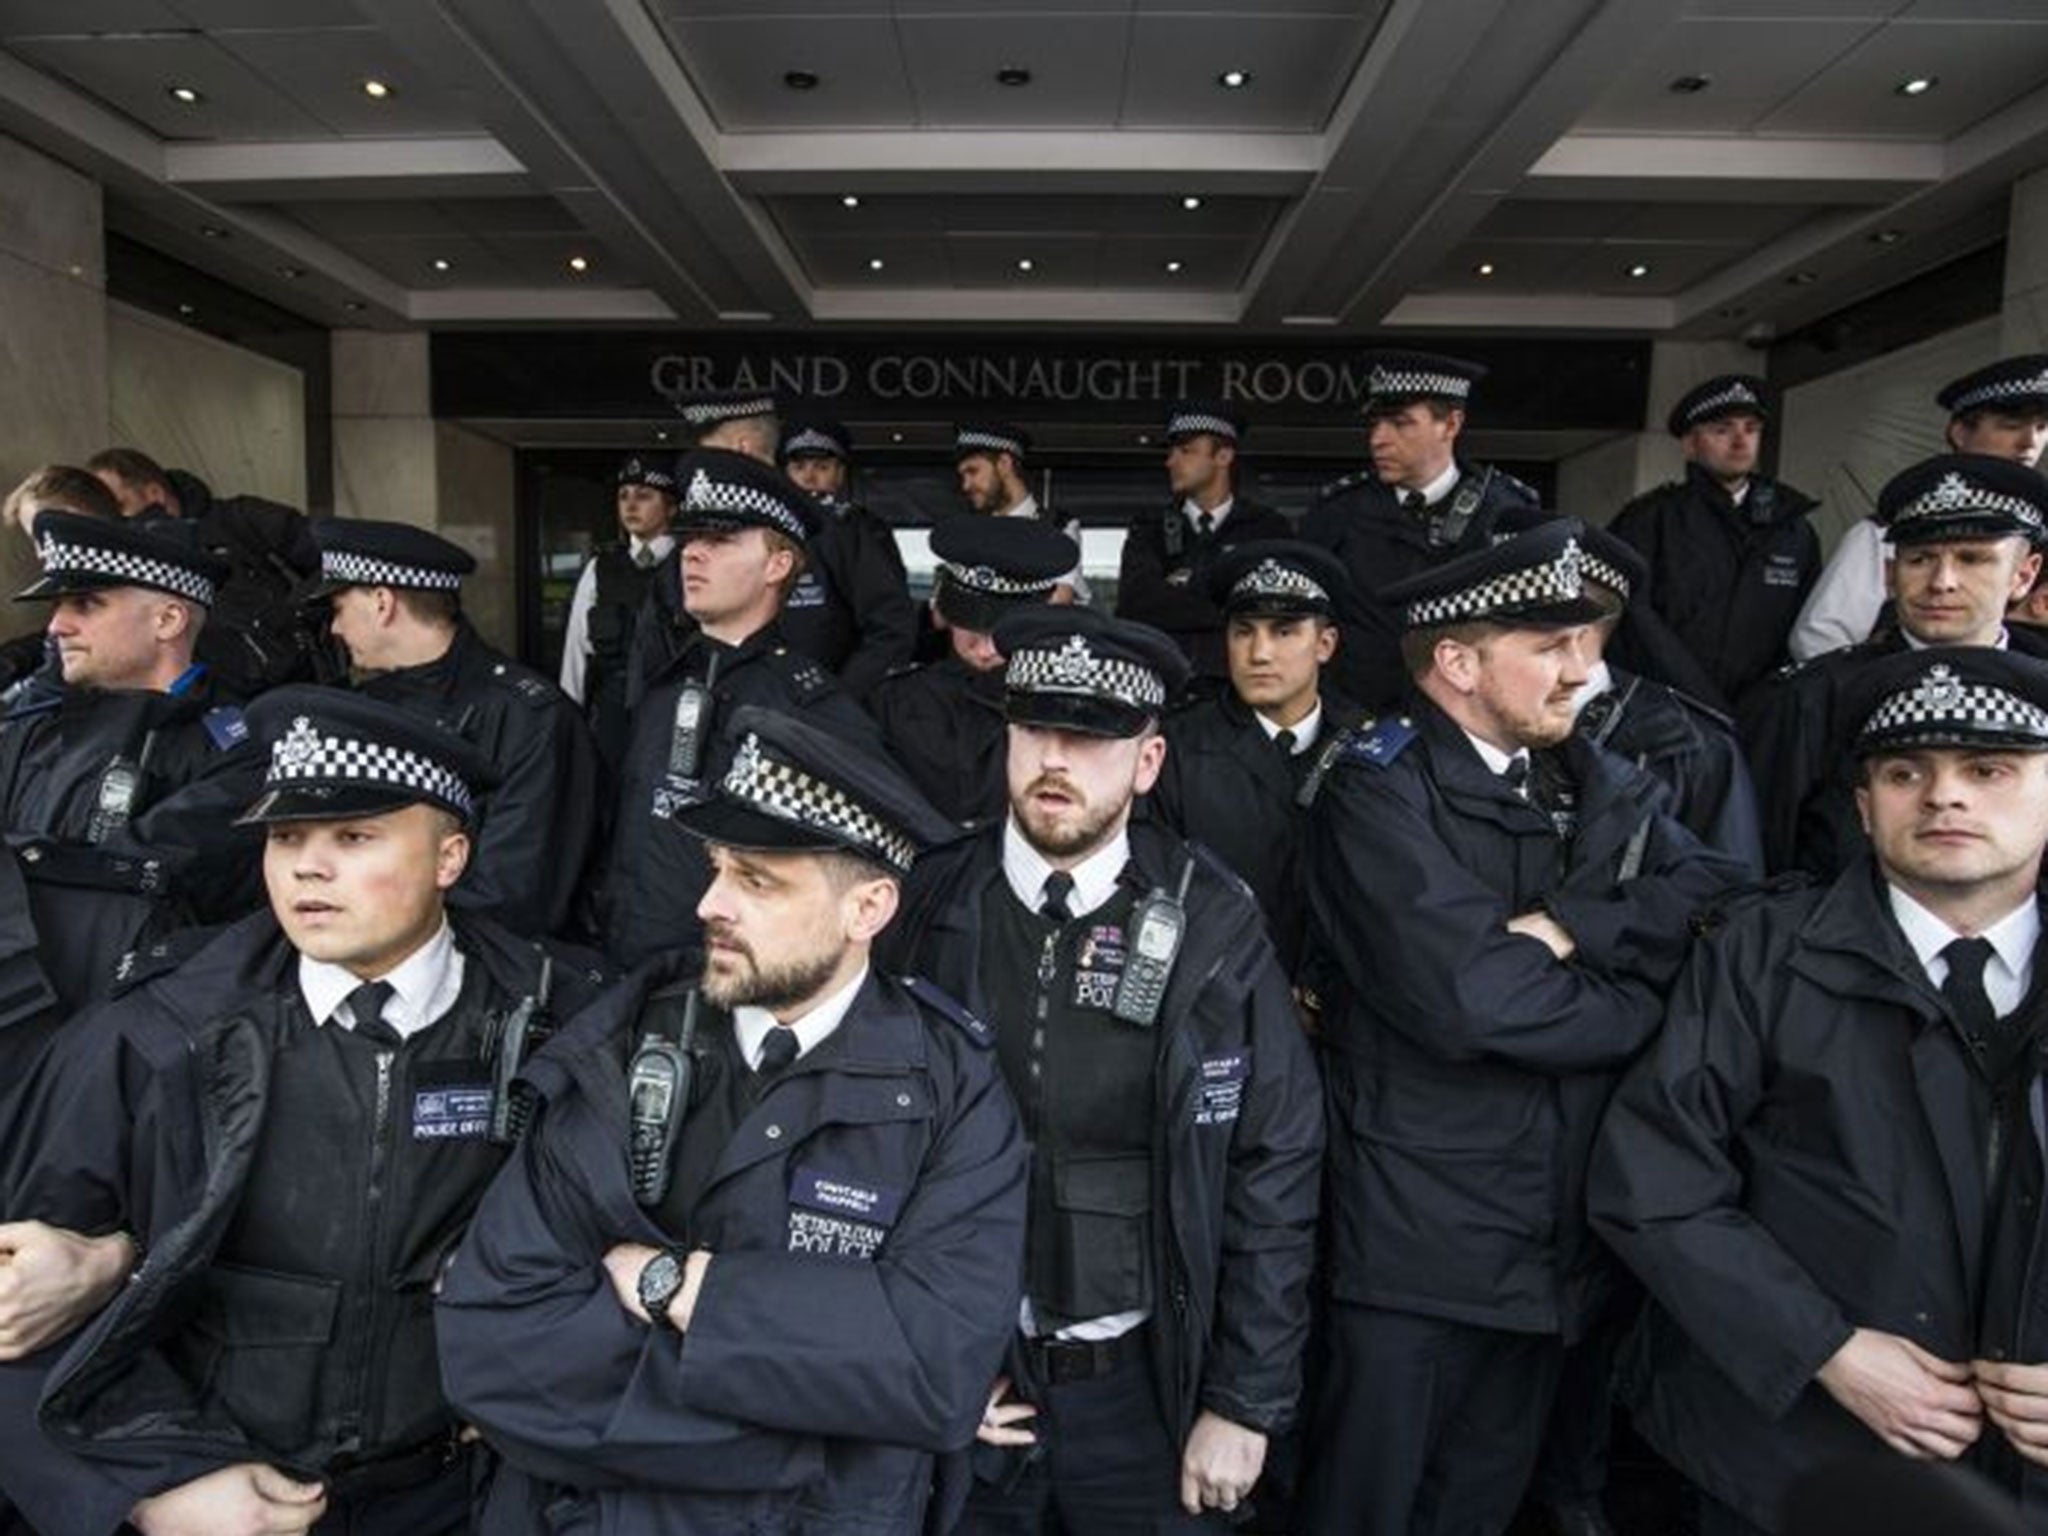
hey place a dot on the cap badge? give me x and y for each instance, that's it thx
(300, 745)
(1940, 690)
(1074, 663)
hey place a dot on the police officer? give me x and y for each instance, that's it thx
(52, 488)
(2000, 409)
(256, 639)
(851, 608)
(293, 1119)
(1414, 505)
(742, 528)
(1174, 1113)
(1731, 553)
(394, 593)
(943, 721)
(1826, 1170)
(117, 789)
(989, 459)
(1968, 532)
(1168, 551)
(1502, 906)
(1236, 765)
(756, 1273)
(598, 639)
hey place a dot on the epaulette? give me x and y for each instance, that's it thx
(225, 726)
(533, 689)
(1377, 742)
(944, 1003)
(1716, 913)
(1720, 718)
(1516, 483)
(157, 958)
(1343, 483)
(807, 679)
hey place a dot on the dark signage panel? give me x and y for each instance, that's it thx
(1533, 384)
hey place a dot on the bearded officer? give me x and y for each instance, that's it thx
(292, 1119)
(943, 721)
(758, 1260)
(1147, 1032)
(989, 459)
(597, 642)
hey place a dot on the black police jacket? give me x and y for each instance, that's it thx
(1728, 580)
(1361, 520)
(813, 1389)
(944, 723)
(1236, 1143)
(1692, 751)
(1164, 576)
(538, 829)
(1794, 1158)
(256, 636)
(149, 1115)
(97, 885)
(1225, 784)
(1467, 1065)
(657, 873)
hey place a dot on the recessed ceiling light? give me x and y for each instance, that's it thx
(579, 263)
(354, 306)
(895, 437)
(1887, 236)
(1919, 85)
(186, 94)
(1640, 269)
(1689, 85)
(800, 80)
(849, 201)
(291, 272)
(1023, 263)
(1173, 266)
(1191, 203)
(440, 263)
(1803, 279)
(1484, 269)
(874, 263)
(1144, 439)
(213, 232)
(1234, 79)
(1012, 75)
(187, 309)
(376, 90)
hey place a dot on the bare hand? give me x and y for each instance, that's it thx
(1220, 1464)
(1003, 1413)
(1919, 1405)
(624, 1263)
(1541, 925)
(52, 1280)
(248, 1499)
(2016, 1397)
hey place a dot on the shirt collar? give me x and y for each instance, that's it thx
(424, 986)
(1442, 485)
(1217, 513)
(1028, 507)
(2011, 938)
(1915, 643)
(660, 544)
(1496, 760)
(1306, 729)
(1094, 877)
(812, 1030)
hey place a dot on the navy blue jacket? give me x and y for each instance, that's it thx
(812, 1392)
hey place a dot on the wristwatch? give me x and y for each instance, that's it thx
(660, 1278)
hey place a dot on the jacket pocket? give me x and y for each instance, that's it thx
(265, 1337)
(1103, 1205)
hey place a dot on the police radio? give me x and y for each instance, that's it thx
(692, 726)
(1158, 926)
(658, 1091)
(523, 1033)
(120, 791)
(1175, 533)
(1464, 505)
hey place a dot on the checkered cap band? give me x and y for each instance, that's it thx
(708, 413)
(356, 570)
(1954, 496)
(1416, 381)
(62, 559)
(1269, 578)
(1076, 669)
(1941, 701)
(1593, 568)
(1737, 393)
(1560, 580)
(988, 580)
(987, 442)
(2034, 387)
(748, 502)
(1190, 422)
(636, 473)
(305, 754)
(811, 440)
(787, 793)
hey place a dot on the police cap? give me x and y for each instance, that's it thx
(652, 473)
(989, 566)
(1535, 579)
(816, 437)
(990, 437)
(1278, 578)
(1192, 418)
(795, 788)
(335, 754)
(363, 552)
(1963, 496)
(702, 412)
(1726, 394)
(2010, 384)
(721, 489)
(81, 554)
(1074, 669)
(1398, 379)
(1949, 696)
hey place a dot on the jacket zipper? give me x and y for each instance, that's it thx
(355, 1424)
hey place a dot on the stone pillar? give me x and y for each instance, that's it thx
(393, 461)
(2023, 325)
(53, 332)
(1594, 483)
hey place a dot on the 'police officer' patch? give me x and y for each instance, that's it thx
(837, 1217)
(1781, 571)
(1097, 966)
(1223, 1080)
(447, 1107)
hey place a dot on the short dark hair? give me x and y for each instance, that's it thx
(64, 488)
(844, 869)
(429, 605)
(1418, 646)
(131, 465)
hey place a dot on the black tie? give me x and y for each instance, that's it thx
(1205, 523)
(777, 1052)
(1516, 776)
(1059, 885)
(643, 556)
(1964, 988)
(366, 1007)
(1413, 501)
(1284, 740)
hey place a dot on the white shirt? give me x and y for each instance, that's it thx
(1028, 507)
(2009, 971)
(576, 633)
(752, 1025)
(1192, 510)
(424, 986)
(1915, 643)
(1094, 877)
(1306, 729)
(1844, 604)
(1436, 490)
(1496, 760)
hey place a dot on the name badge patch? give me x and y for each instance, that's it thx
(808, 592)
(839, 1218)
(1223, 1080)
(1098, 964)
(1781, 571)
(457, 1112)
